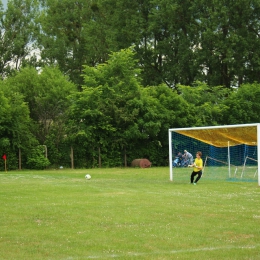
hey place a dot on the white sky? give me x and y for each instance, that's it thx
(4, 3)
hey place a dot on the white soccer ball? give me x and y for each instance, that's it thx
(88, 177)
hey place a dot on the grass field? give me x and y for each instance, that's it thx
(126, 214)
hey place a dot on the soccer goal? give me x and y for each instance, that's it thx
(250, 168)
(229, 152)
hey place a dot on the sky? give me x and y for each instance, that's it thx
(4, 3)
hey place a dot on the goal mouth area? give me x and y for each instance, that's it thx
(231, 150)
(215, 174)
(217, 169)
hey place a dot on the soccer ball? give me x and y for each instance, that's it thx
(88, 177)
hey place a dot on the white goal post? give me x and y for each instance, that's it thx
(220, 136)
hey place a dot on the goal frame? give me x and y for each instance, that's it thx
(257, 125)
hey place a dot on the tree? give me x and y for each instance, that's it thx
(15, 130)
(168, 52)
(116, 115)
(103, 110)
(164, 109)
(47, 96)
(46, 93)
(206, 103)
(228, 46)
(243, 105)
(17, 31)
(72, 34)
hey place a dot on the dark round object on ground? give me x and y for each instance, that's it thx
(142, 163)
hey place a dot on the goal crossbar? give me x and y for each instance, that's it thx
(221, 136)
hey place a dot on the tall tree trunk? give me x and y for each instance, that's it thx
(99, 157)
(125, 159)
(72, 157)
(20, 159)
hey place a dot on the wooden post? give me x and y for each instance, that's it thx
(125, 159)
(99, 157)
(20, 159)
(5, 165)
(5, 158)
(72, 157)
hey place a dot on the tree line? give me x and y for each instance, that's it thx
(176, 42)
(102, 81)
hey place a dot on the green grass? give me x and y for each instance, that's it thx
(126, 214)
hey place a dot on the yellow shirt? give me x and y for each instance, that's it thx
(198, 163)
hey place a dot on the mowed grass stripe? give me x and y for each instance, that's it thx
(171, 254)
(126, 213)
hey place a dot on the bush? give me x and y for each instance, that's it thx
(37, 160)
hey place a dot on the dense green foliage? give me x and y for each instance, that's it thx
(101, 82)
(176, 42)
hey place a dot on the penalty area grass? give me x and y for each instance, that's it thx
(126, 213)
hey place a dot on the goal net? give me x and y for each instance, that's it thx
(228, 152)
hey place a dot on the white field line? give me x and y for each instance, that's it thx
(170, 252)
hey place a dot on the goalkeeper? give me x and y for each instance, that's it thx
(197, 168)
